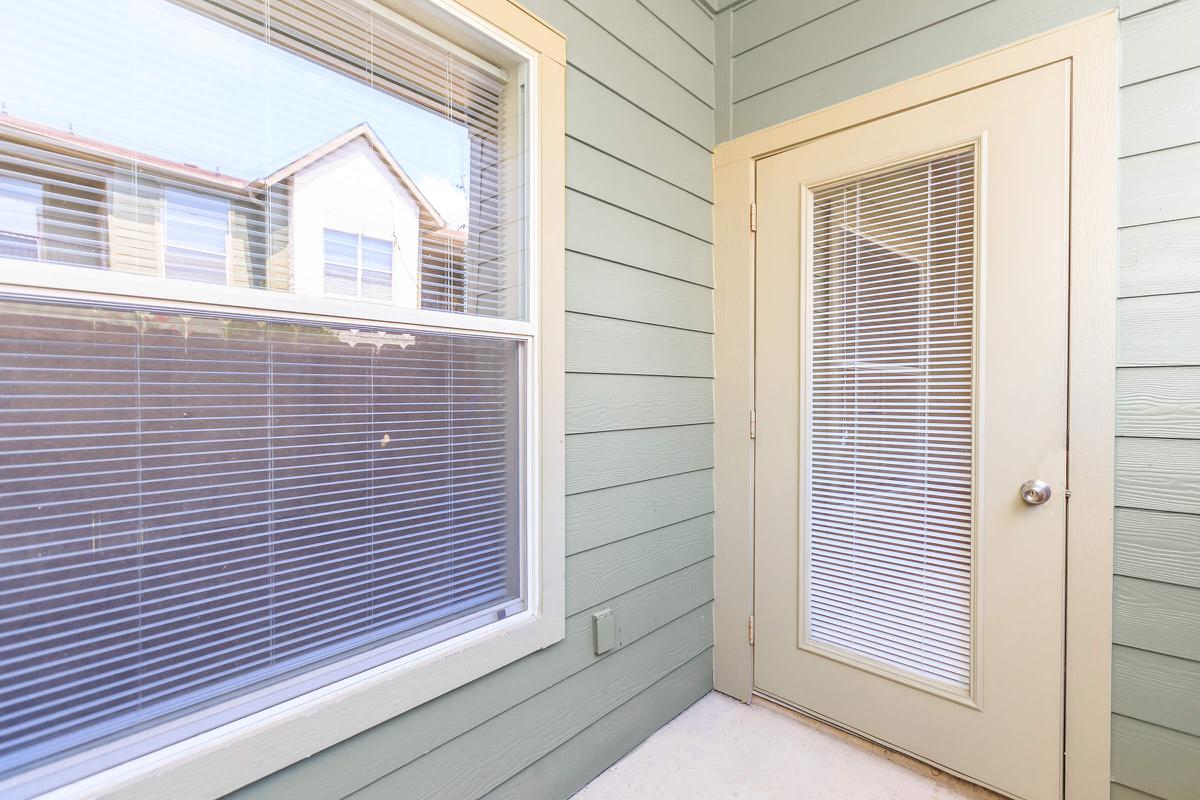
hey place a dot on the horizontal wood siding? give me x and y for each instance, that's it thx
(788, 58)
(782, 59)
(1156, 613)
(639, 444)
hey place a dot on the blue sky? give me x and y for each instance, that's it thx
(154, 77)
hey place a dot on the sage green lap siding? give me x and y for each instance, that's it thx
(608, 515)
(1159, 761)
(605, 178)
(1158, 545)
(607, 289)
(853, 48)
(613, 458)
(690, 22)
(1159, 402)
(639, 409)
(1160, 258)
(592, 577)
(643, 242)
(607, 59)
(1160, 43)
(1156, 604)
(620, 402)
(602, 118)
(490, 753)
(568, 768)
(1156, 688)
(644, 32)
(602, 344)
(1156, 616)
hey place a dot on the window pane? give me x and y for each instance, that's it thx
(409, 144)
(198, 506)
(340, 280)
(341, 248)
(891, 417)
(20, 205)
(377, 254)
(376, 285)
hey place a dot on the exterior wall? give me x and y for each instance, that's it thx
(1156, 614)
(352, 190)
(639, 445)
(778, 59)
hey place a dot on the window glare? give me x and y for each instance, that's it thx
(380, 153)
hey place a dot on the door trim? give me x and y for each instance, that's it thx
(1090, 47)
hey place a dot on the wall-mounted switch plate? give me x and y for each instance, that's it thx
(604, 630)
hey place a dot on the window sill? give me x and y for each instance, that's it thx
(227, 758)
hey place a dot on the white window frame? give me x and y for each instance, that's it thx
(214, 763)
(358, 266)
(168, 191)
(36, 233)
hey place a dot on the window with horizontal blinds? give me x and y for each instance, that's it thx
(278, 431)
(298, 115)
(197, 506)
(891, 439)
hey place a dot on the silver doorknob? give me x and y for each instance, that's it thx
(1035, 492)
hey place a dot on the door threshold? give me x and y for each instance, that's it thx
(937, 772)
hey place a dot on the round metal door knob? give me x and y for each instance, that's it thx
(1035, 492)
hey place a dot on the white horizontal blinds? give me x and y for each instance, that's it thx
(345, 118)
(890, 416)
(197, 506)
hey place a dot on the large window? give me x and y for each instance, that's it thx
(284, 451)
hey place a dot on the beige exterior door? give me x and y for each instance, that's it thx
(911, 375)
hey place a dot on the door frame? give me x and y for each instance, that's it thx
(1090, 47)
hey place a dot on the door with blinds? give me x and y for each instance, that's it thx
(910, 460)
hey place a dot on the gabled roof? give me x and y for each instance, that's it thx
(99, 149)
(364, 131)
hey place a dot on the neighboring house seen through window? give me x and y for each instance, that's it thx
(357, 266)
(195, 236)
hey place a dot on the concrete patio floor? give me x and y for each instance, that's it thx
(721, 749)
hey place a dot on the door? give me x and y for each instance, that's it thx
(911, 376)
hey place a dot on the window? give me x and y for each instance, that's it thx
(20, 206)
(195, 231)
(266, 479)
(891, 421)
(358, 266)
(50, 206)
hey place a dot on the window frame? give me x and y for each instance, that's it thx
(359, 266)
(167, 246)
(228, 757)
(36, 235)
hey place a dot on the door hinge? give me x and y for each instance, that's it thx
(753, 424)
(754, 217)
(750, 629)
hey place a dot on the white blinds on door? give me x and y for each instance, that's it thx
(890, 416)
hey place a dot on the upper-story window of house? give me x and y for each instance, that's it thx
(195, 235)
(358, 266)
(20, 208)
(51, 216)
(282, 430)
